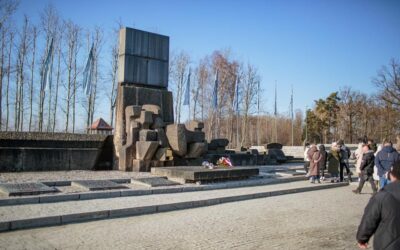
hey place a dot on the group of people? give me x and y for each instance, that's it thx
(317, 160)
(380, 166)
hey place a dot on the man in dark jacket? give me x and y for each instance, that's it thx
(367, 169)
(344, 160)
(382, 216)
(384, 161)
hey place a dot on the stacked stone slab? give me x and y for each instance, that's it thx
(152, 143)
(145, 135)
(142, 80)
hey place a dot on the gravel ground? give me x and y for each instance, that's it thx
(325, 219)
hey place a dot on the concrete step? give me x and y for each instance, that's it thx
(52, 214)
(62, 197)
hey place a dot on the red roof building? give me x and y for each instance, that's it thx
(100, 127)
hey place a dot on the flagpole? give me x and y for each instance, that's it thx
(292, 115)
(275, 114)
(258, 114)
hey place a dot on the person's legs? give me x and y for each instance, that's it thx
(360, 185)
(372, 182)
(306, 166)
(382, 181)
(341, 171)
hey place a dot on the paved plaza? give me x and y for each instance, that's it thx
(324, 219)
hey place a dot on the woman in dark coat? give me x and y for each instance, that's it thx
(322, 162)
(334, 162)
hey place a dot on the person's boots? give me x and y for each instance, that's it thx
(349, 178)
(356, 191)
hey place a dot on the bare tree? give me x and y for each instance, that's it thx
(49, 25)
(97, 42)
(58, 75)
(388, 83)
(250, 86)
(9, 53)
(114, 72)
(72, 36)
(34, 38)
(179, 67)
(19, 90)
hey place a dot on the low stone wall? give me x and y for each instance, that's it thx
(298, 151)
(22, 151)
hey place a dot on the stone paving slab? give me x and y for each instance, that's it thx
(28, 188)
(93, 185)
(137, 190)
(15, 217)
(154, 182)
(195, 174)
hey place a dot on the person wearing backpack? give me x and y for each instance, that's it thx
(344, 160)
(384, 161)
(366, 169)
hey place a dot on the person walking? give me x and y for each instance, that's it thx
(315, 158)
(334, 162)
(306, 159)
(384, 161)
(382, 216)
(344, 160)
(358, 154)
(366, 169)
(322, 162)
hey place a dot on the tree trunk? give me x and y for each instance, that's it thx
(32, 80)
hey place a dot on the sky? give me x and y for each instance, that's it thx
(317, 47)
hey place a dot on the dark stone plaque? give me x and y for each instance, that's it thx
(93, 185)
(154, 182)
(29, 188)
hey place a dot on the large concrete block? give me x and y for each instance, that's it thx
(147, 135)
(155, 109)
(134, 95)
(195, 126)
(136, 70)
(144, 44)
(145, 150)
(157, 123)
(195, 136)
(163, 154)
(176, 135)
(145, 119)
(162, 137)
(196, 150)
(133, 111)
(218, 143)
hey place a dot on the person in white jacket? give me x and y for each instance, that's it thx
(359, 155)
(306, 159)
(375, 175)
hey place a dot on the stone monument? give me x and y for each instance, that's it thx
(145, 134)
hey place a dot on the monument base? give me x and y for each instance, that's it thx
(201, 174)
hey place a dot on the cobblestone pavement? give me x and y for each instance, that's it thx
(325, 219)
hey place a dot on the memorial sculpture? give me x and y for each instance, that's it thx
(145, 135)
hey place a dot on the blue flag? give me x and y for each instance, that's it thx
(87, 73)
(46, 73)
(186, 101)
(215, 94)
